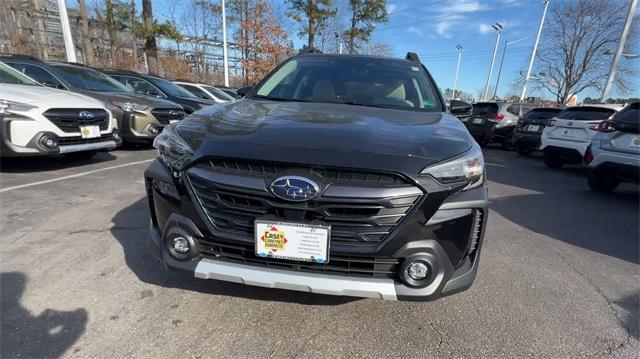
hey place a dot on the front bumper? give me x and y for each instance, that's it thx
(66, 145)
(139, 127)
(174, 213)
(489, 131)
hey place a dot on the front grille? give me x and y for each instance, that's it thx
(334, 175)
(476, 230)
(346, 266)
(68, 119)
(66, 141)
(166, 115)
(354, 221)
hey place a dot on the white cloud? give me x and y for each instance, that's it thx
(462, 6)
(484, 28)
(415, 30)
(442, 28)
(391, 8)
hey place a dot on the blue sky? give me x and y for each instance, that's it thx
(432, 28)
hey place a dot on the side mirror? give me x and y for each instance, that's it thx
(205, 97)
(52, 85)
(457, 107)
(243, 91)
(152, 93)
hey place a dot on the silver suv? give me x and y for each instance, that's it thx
(614, 154)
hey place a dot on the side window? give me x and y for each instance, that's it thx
(141, 86)
(196, 91)
(514, 110)
(629, 116)
(39, 74)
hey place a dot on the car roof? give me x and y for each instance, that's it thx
(610, 106)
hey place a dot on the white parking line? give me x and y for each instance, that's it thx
(495, 165)
(73, 176)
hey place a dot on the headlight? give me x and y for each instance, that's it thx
(173, 150)
(7, 107)
(466, 170)
(129, 106)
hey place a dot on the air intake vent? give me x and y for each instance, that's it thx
(475, 231)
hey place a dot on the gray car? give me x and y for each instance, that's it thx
(614, 154)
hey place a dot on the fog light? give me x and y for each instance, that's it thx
(181, 245)
(418, 270)
(48, 142)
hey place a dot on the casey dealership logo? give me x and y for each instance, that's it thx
(293, 188)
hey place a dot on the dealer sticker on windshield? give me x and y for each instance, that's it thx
(292, 241)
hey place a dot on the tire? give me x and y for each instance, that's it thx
(524, 151)
(552, 161)
(82, 155)
(508, 144)
(601, 183)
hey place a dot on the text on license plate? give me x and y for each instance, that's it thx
(477, 120)
(90, 131)
(292, 241)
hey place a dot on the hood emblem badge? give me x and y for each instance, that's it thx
(86, 115)
(294, 188)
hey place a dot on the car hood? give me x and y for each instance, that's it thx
(45, 97)
(133, 97)
(327, 134)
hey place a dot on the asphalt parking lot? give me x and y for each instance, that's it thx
(559, 277)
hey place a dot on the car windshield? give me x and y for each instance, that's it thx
(9, 75)
(586, 113)
(171, 89)
(90, 80)
(218, 93)
(485, 108)
(360, 81)
(542, 113)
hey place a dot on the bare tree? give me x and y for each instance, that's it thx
(87, 45)
(150, 46)
(382, 49)
(576, 39)
(200, 23)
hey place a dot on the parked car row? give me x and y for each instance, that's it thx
(604, 138)
(51, 108)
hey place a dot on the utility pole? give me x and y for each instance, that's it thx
(498, 29)
(506, 44)
(616, 57)
(225, 60)
(66, 32)
(455, 82)
(535, 49)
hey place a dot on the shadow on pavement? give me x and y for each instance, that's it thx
(130, 229)
(43, 164)
(564, 208)
(631, 319)
(24, 335)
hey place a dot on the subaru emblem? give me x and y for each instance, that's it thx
(86, 115)
(293, 188)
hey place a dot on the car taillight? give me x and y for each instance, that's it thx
(602, 126)
(588, 156)
(551, 123)
(497, 117)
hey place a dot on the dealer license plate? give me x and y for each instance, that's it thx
(292, 241)
(477, 120)
(568, 133)
(90, 131)
(635, 143)
(534, 128)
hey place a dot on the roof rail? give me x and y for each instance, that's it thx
(19, 56)
(413, 57)
(309, 50)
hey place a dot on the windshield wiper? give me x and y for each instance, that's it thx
(263, 97)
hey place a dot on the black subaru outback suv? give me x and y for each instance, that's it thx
(336, 174)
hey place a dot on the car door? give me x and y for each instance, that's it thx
(626, 137)
(578, 123)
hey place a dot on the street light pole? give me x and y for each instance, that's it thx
(66, 32)
(616, 58)
(455, 82)
(225, 60)
(506, 44)
(535, 49)
(498, 29)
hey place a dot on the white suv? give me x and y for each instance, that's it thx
(37, 120)
(567, 136)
